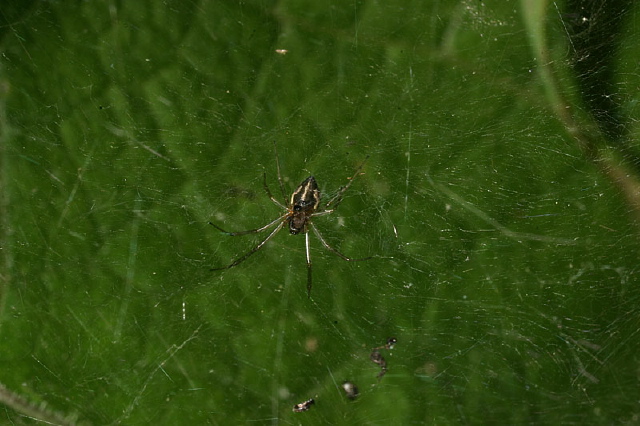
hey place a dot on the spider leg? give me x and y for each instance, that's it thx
(308, 265)
(322, 213)
(284, 194)
(338, 197)
(250, 231)
(266, 188)
(256, 248)
(328, 247)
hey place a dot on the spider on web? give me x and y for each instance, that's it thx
(298, 212)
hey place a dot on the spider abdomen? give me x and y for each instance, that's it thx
(297, 224)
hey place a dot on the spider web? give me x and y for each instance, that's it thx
(499, 203)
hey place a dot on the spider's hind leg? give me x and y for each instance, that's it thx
(333, 250)
(256, 248)
(309, 282)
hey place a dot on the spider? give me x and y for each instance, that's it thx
(298, 212)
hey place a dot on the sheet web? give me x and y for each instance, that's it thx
(504, 257)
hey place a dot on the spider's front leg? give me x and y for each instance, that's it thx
(337, 199)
